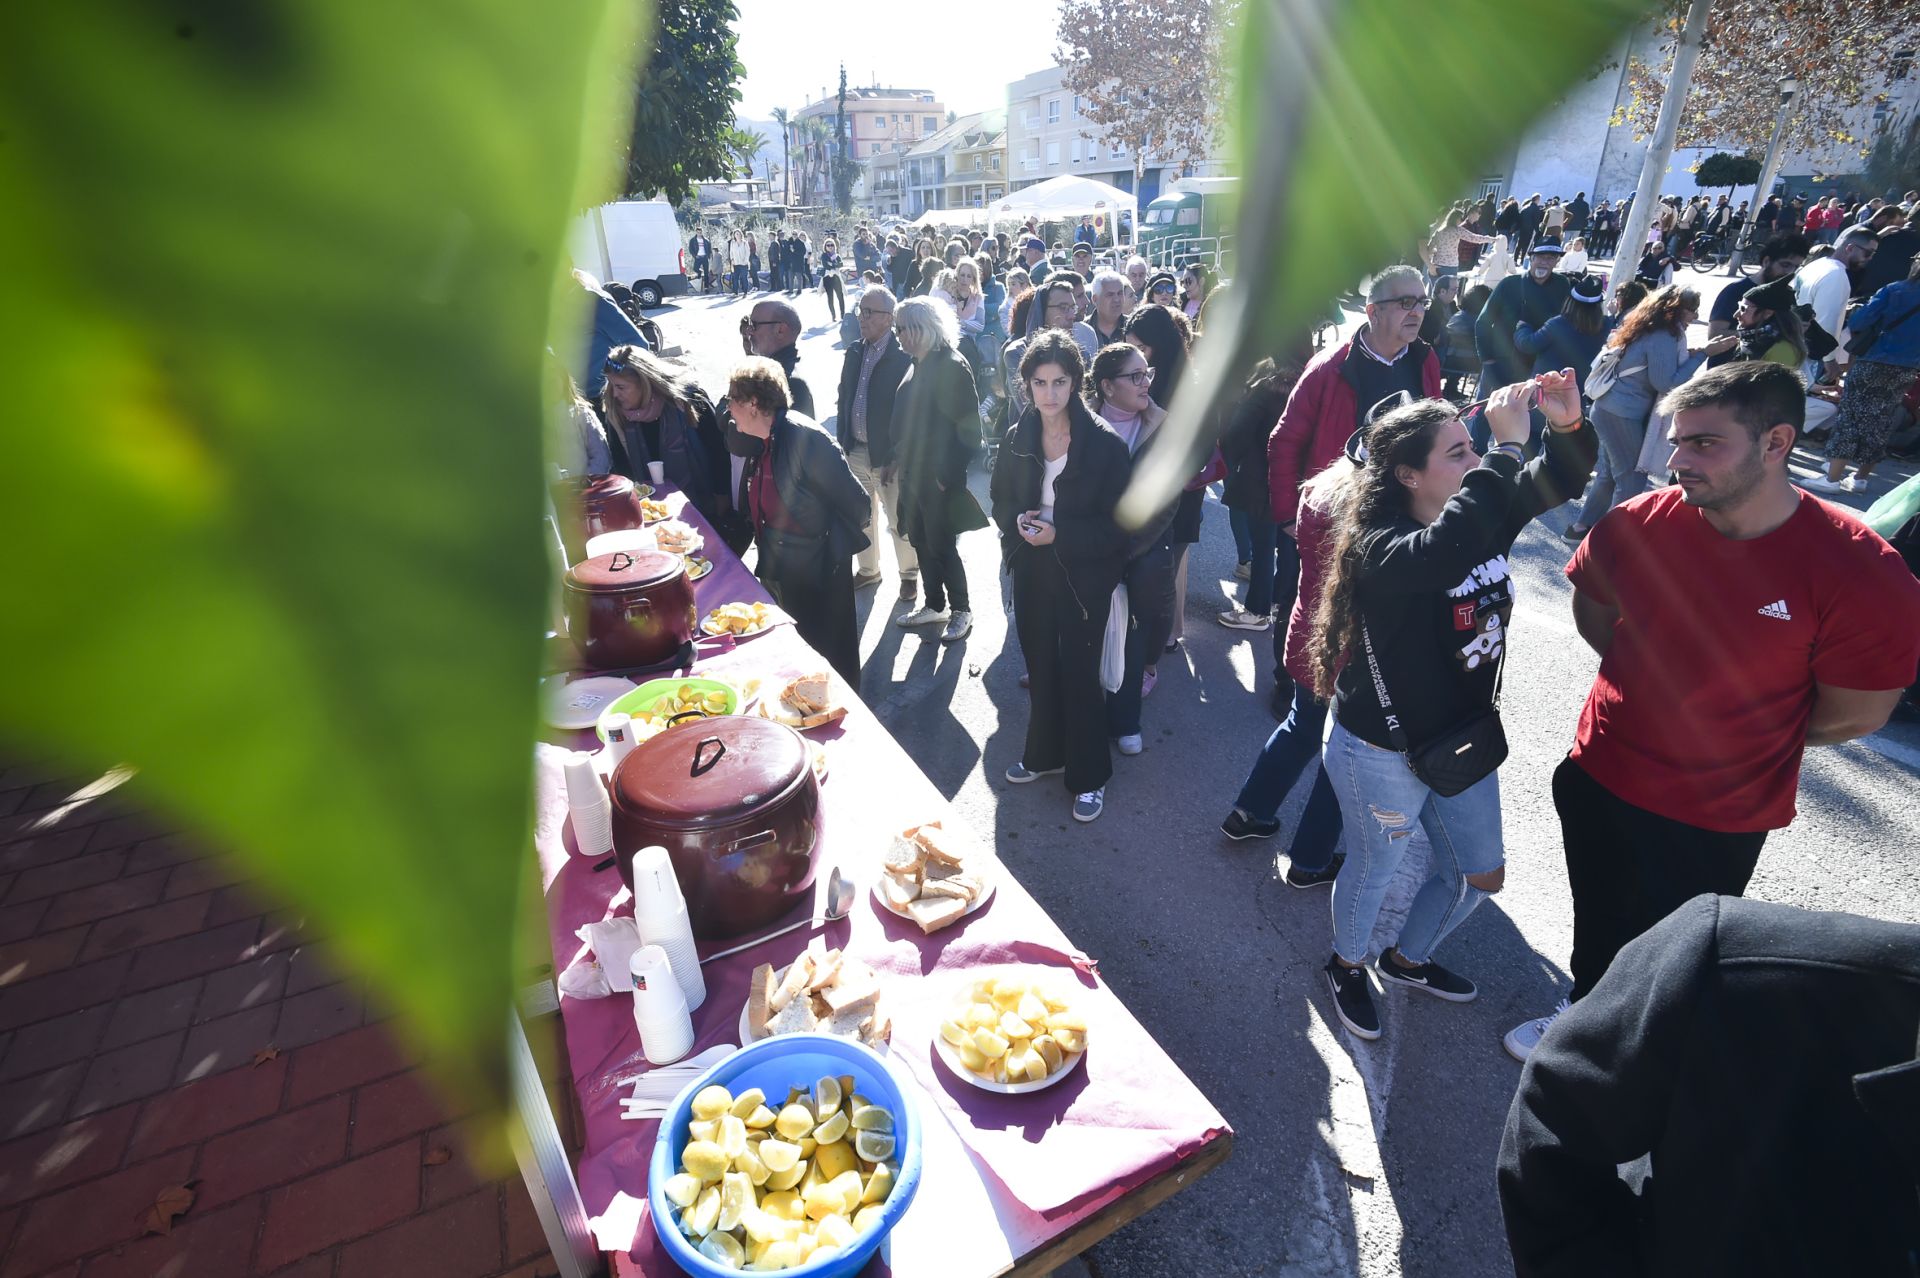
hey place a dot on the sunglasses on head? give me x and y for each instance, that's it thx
(616, 366)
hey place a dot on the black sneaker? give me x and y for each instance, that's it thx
(1428, 978)
(1353, 998)
(1239, 825)
(1299, 878)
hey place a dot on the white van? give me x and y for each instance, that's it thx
(636, 243)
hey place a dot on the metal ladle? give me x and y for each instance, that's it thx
(839, 904)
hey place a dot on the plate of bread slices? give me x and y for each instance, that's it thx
(808, 701)
(824, 991)
(932, 878)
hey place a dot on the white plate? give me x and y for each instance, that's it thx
(746, 1031)
(693, 544)
(977, 903)
(773, 619)
(578, 704)
(951, 1055)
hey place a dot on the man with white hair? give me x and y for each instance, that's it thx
(1137, 272)
(1109, 318)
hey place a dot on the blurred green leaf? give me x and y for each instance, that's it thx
(278, 281)
(1355, 122)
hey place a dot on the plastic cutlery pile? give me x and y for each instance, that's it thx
(655, 1090)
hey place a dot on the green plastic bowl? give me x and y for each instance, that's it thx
(643, 698)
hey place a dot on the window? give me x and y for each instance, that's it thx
(1119, 152)
(1076, 150)
(1032, 120)
(879, 121)
(976, 169)
(993, 161)
(1053, 110)
(1029, 163)
(1076, 107)
(876, 149)
(1053, 155)
(1188, 217)
(931, 123)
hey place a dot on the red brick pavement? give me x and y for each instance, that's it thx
(139, 978)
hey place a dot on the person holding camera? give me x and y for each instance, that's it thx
(1059, 477)
(1407, 642)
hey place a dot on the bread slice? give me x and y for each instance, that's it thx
(856, 987)
(905, 856)
(795, 981)
(941, 846)
(934, 912)
(760, 1000)
(826, 968)
(958, 885)
(795, 1018)
(851, 1023)
(809, 694)
(879, 1028)
(899, 892)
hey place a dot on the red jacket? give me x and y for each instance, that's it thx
(1319, 416)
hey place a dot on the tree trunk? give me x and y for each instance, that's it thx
(1633, 235)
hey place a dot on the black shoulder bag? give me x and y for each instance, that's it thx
(1456, 759)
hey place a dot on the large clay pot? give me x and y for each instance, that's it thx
(736, 804)
(630, 608)
(588, 505)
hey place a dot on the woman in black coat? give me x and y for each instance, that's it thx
(809, 513)
(936, 431)
(1061, 473)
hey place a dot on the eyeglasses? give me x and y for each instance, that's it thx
(1418, 302)
(873, 310)
(1139, 376)
(763, 323)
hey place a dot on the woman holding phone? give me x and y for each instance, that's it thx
(1059, 477)
(1407, 644)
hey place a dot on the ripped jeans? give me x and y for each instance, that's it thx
(1380, 800)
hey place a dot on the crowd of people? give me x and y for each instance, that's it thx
(1738, 619)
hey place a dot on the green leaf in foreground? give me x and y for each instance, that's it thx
(278, 282)
(1355, 121)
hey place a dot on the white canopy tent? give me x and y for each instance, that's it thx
(1066, 197)
(951, 217)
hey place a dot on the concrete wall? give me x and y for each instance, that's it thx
(1563, 152)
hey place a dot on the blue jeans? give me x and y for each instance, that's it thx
(1380, 799)
(739, 279)
(1286, 585)
(1260, 537)
(1242, 543)
(1293, 746)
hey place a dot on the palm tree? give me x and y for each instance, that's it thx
(816, 141)
(786, 157)
(745, 146)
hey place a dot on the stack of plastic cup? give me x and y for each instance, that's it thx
(660, 1010)
(589, 808)
(660, 910)
(620, 740)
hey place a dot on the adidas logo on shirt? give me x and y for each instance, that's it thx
(1778, 610)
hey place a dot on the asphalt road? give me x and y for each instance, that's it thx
(1350, 1158)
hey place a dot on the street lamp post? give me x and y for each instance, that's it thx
(1788, 87)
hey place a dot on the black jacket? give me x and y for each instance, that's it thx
(937, 435)
(1764, 1056)
(1243, 446)
(797, 388)
(1437, 597)
(881, 388)
(1090, 545)
(1516, 299)
(826, 504)
(696, 459)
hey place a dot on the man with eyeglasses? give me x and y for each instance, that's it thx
(1825, 287)
(1531, 299)
(869, 376)
(772, 329)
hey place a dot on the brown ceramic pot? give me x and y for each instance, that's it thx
(630, 608)
(736, 804)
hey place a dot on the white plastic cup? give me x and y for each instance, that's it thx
(659, 472)
(588, 808)
(620, 739)
(660, 1010)
(660, 912)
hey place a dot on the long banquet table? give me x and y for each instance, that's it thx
(1011, 1184)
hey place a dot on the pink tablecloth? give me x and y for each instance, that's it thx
(1047, 1160)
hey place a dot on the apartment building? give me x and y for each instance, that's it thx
(961, 166)
(1049, 135)
(880, 121)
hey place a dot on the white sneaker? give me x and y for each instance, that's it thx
(1241, 619)
(1522, 1039)
(1130, 743)
(921, 616)
(957, 626)
(1821, 484)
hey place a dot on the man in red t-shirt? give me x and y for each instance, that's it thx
(1738, 621)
